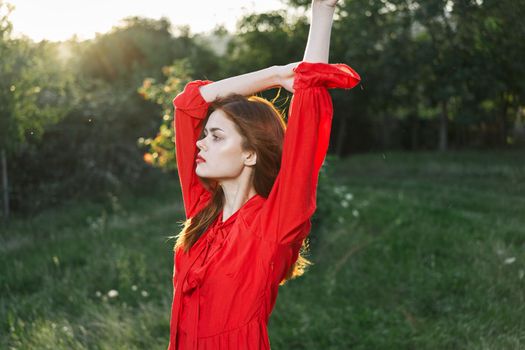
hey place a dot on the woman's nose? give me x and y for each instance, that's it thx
(200, 144)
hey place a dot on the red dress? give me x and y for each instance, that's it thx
(226, 286)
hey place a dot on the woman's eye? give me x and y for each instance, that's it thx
(215, 138)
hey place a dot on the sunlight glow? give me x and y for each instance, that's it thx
(61, 19)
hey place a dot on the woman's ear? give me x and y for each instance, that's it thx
(250, 158)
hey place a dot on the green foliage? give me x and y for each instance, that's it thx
(137, 47)
(34, 90)
(416, 57)
(161, 149)
(331, 197)
(78, 108)
(264, 40)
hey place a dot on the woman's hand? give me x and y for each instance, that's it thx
(286, 75)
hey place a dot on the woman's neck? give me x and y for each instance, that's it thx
(237, 192)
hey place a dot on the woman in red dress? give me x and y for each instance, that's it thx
(249, 190)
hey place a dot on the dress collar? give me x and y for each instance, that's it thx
(249, 203)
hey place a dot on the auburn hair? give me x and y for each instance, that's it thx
(262, 128)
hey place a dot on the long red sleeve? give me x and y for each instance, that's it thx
(292, 200)
(190, 110)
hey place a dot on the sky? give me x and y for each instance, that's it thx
(59, 19)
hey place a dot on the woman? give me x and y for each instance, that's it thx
(249, 191)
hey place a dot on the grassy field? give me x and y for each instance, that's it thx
(427, 252)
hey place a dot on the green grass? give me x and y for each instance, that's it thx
(428, 253)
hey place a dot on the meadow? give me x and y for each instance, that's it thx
(426, 250)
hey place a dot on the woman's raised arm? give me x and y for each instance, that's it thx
(250, 83)
(285, 216)
(318, 45)
(317, 49)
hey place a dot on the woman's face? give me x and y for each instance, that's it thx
(221, 149)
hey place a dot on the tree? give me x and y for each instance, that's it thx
(266, 39)
(33, 92)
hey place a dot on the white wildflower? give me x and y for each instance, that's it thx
(339, 189)
(112, 293)
(144, 293)
(510, 260)
(349, 196)
(355, 213)
(134, 288)
(98, 294)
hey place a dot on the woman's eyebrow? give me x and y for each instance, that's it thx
(214, 129)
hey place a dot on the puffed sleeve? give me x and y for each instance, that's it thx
(190, 111)
(285, 216)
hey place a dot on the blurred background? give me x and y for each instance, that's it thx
(419, 235)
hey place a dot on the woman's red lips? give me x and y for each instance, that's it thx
(200, 159)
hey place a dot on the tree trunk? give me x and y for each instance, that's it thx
(341, 137)
(385, 131)
(503, 120)
(414, 132)
(443, 126)
(5, 187)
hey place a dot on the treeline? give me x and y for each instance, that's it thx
(87, 118)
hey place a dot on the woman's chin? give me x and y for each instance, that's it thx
(201, 173)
